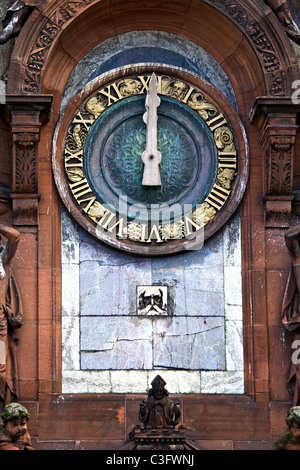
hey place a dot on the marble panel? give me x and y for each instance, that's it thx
(116, 343)
(86, 381)
(70, 351)
(110, 290)
(108, 348)
(183, 381)
(195, 283)
(105, 255)
(233, 285)
(234, 345)
(128, 381)
(222, 382)
(70, 288)
(189, 343)
(232, 242)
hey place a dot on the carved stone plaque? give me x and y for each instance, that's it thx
(152, 300)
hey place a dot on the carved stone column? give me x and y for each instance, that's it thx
(26, 114)
(276, 118)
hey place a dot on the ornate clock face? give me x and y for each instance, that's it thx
(151, 163)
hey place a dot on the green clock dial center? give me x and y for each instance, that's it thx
(114, 167)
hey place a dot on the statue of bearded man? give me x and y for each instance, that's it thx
(159, 410)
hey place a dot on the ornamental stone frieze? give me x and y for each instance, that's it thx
(58, 15)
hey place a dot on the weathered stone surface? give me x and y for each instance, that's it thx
(110, 290)
(189, 343)
(153, 47)
(108, 280)
(102, 331)
(116, 343)
(222, 382)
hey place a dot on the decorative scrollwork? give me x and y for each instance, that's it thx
(205, 110)
(133, 231)
(48, 33)
(261, 41)
(172, 231)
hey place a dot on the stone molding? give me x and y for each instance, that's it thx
(25, 116)
(48, 22)
(276, 118)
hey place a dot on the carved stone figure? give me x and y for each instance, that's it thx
(204, 214)
(283, 13)
(204, 109)
(291, 439)
(96, 211)
(151, 300)
(176, 89)
(129, 87)
(224, 139)
(225, 176)
(15, 18)
(291, 304)
(14, 435)
(95, 107)
(159, 410)
(172, 230)
(160, 416)
(11, 317)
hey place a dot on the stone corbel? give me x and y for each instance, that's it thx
(276, 118)
(25, 114)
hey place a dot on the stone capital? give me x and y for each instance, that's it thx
(276, 118)
(25, 114)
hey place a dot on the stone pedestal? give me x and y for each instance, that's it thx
(160, 438)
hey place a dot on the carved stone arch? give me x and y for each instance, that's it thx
(244, 37)
(235, 33)
(247, 40)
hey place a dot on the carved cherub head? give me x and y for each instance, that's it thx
(293, 421)
(15, 418)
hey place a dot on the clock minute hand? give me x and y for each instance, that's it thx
(151, 156)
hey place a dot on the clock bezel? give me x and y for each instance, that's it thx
(212, 95)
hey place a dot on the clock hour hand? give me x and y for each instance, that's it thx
(151, 156)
